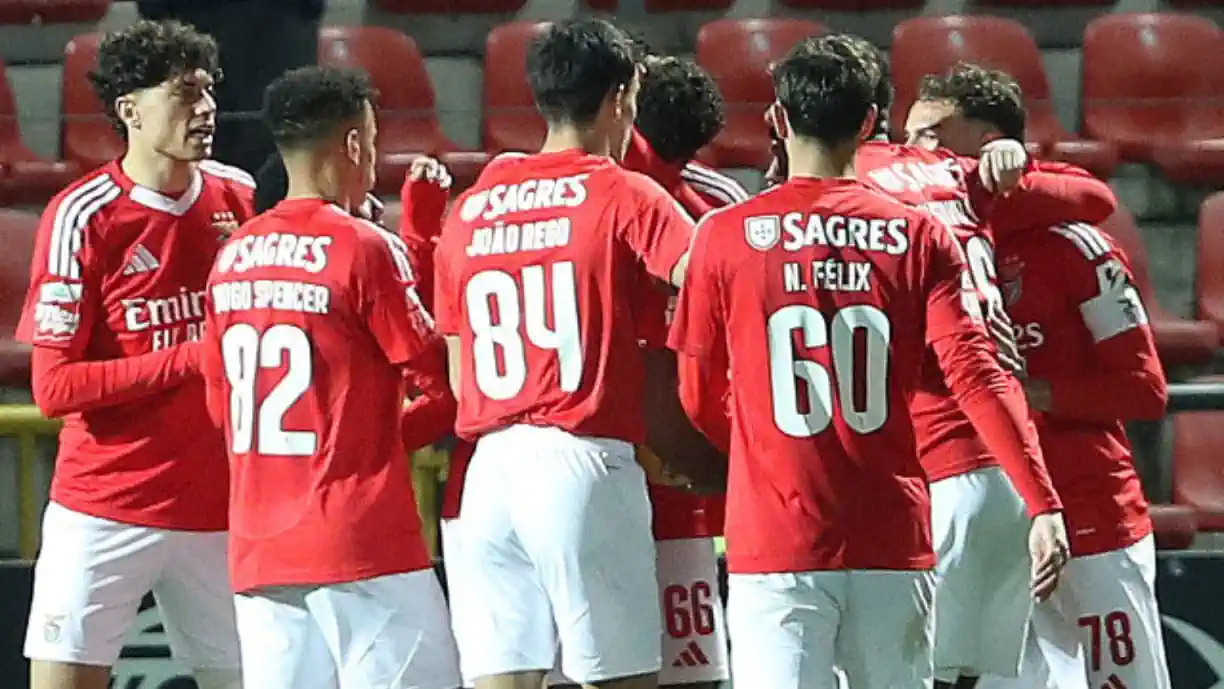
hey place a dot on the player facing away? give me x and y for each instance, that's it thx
(313, 331)
(114, 310)
(826, 295)
(536, 269)
(1091, 365)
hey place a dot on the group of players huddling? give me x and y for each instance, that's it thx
(901, 509)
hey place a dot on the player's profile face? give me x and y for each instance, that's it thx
(361, 153)
(177, 118)
(940, 124)
(625, 107)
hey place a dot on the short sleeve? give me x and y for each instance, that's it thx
(699, 317)
(63, 301)
(655, 227)
(952, 303)
(387, 296)
(1097, 277)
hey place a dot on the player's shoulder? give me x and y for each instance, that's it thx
(228, 176)
(86, 200)
(1076, 242)
(713, 184)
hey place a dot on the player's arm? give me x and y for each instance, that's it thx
(423, 199)
(1127, 381)
(430, 415)
(1046, 194)
(698, 336)
(989, 397)
(446, 310)
(655, 228)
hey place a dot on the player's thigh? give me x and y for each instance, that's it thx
(588, 536)
(89, 579)
(887, 629)
(390, 632)
(508, 625)
(982, 601)
(694, 631)
(784, 629)
(1117, 616)
(280, 642)
(197, 601)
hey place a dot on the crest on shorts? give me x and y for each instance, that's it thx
(53, 627)
(225, 223)
(763, 232)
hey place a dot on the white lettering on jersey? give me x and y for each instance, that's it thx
(308, 253)
(278, 295)
(142, 313)
(1029, 336)
(915, 176)
(863, 234)
(532, 194)
(504, 238)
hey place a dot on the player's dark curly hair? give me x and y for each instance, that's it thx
(986, 95)
(865, 50)
(271, 183)
(680, 108)
(146, 54)
(825, 92)
(574, 65)
(309, 105)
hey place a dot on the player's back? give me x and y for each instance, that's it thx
(825, 293)
(535, 274)
(321, 491)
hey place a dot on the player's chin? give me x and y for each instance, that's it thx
(195, 150)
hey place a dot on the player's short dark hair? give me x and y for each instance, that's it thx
(574, 65)
(680, 108)
(826, 93)
(271, 183)
(986, 95)
(308, 105)
(146, 54)
(865, 50)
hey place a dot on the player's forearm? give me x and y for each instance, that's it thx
(704, 400)
(1059, 196)
(995, 404)
(431, 415)
(64, 386)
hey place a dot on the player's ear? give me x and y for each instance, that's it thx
(777, 118)
(867, 128)
(125, 110)
(352, 145)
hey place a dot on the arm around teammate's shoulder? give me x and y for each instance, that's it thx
(654, 226)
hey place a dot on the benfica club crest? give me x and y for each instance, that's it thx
(225, 223)
(1010, 279)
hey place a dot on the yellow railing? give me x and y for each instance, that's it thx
(25, 423)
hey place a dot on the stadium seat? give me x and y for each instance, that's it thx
(657, 6)
(1198, 465)
(86, 135)
(511, 122)
(450, 6)
(928, 45)
(52, 11)
(17, 231)
(853, 5)
(1209, 257)
(1174, 526)
(25, 178)
(1040, 3)
(1179, 340)
(737, 53)
(407, 120)
(1148, 89)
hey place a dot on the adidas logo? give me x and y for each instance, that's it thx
(141, 261)
(691, 656)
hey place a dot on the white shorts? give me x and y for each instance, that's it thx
(791, 631)
(1101, 628)
(92, 573)
(982, 589)
(390, 632)
(556, 549)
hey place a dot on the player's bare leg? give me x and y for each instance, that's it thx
(50, 674)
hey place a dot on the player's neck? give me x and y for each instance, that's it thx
(160, 173)
(815, 161)
(312, 179)
(568, 137)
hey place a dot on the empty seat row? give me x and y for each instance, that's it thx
(52, 11)
(662, 6)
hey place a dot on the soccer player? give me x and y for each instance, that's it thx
(827, 295)
(114, 310)
(1070, 284)
(534, 289)
(313, 331)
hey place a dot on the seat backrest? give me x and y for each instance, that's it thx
(931, 45)
(853, 5)
(10, 130)
(1209, 258)
(738, 52)
(1145, 74)
(511, 122)
(1198, 458)
(86, 135)
(450, 6)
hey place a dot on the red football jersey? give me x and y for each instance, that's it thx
(532, 270)
(311, 317)
(1069, 291)
(826, 294)
(119, 271)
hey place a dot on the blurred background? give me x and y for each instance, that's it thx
(1132, 90)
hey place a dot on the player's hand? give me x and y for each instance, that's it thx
(1002, 165)
(1001, 329)
(427, 169)
(1049, 551)
(371, 209)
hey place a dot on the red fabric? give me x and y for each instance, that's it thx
(1084, 332)
(431, 414)
(1052, 194)
(307, 376)
(572, 363)
(117, 286)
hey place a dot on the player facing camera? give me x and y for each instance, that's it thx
(584, 78)
(679, 108)
(966, 108)
(322, 120)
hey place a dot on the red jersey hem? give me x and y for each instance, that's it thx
(138, 517)
(242, 585)
(947, 470)
(789, 565)
(1128, 533)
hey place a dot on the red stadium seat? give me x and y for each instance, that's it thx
(1149, 89)
(657, 6)
(17, 231)
(407, 119)
(1179, 340)
(927, 45)
(1174, 526)
(737, 53)
(1208, 276)
(511, 122)
(853, 5)
(86, 135)
(1198, 465)
(25, 178)
(450, 6)
(52, 11)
